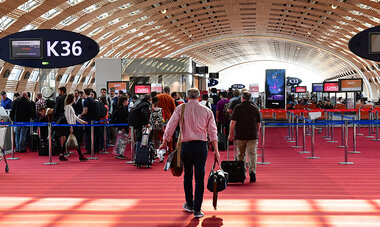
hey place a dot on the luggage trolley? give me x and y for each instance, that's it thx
(3, 131)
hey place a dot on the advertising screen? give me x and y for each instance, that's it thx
(156, 88)
(26, 49)
(118, 85)
(347, 85)
(142, 89)
(317, 87)
(301, 89)
(275, 88)
(331, 87)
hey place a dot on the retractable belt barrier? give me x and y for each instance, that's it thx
(53, 124)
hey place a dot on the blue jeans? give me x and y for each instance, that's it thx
(194, 155)
(20, 137)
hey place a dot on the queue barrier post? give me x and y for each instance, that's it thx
(291, 130)
(346, 162)
(332, 140)
(370, 126)
(377, 127)
(297, 146)
(288, 136)
(303, 137)
(360, 117)
(263, 162)
(354, 151)
(342, 145)
(312, 142)
(50, 147)
(13, 144)
(326, 126)
(92, 143)
(132, 146)
(105, 138)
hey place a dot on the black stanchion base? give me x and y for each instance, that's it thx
(291, 141)
(263, 163)
(346, 163)
(130, 162)
(360, 134)
(104, 152)
(332, 141)
(313, 157)
(370, 137)
(354, 152)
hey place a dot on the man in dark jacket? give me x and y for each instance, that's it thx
(59, 134)
(143, 116)
(22, 111)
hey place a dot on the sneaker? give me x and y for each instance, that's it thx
(198, 214)
(62, 158)
(188, 208)
(120, 157)
(252, 177)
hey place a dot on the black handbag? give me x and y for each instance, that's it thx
(219, 177)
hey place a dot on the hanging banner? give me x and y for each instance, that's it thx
(275, 88)
(254, 89)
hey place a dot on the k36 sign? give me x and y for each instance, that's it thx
(46, 48)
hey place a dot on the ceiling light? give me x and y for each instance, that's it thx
(334, 6)
(163, 11)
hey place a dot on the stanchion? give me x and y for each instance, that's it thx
(326, 126)
(377, 127)
(288, 136)
(291, 130)
(13, 144)
(304, 137)
(105, 139)
(342, 146)
(312, 143)
(332, 140)
(263, 162)
(354, 151)
(360, 117)
(370, 126)
(132, 147)
(346, 162)
(92, 143)
(296, 146)
(50, 147)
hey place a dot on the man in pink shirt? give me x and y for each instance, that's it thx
(198, 121)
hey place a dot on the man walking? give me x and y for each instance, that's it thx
(194, 150)
(246, 119)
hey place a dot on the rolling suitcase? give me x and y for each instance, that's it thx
(236, 169)
(35, 142)
(143, 155)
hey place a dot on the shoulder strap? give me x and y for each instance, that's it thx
(179, 142)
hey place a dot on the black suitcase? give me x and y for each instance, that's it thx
(222, 141)
(143, 155)
(43, 148)
(35, 142)
(236, 169)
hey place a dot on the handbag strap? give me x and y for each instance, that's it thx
(213, 166)
(179, 142)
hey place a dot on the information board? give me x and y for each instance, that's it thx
(347, 85)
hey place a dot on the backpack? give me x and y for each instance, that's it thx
(100, 109)
(134, 118)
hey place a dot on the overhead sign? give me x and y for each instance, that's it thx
(47, 48)
(156, 87)
(212, 82)
(254, 90)
(366, 44)
(301, 89)
(330, 86)
(238, 86)
(293, 81)
(317, 87)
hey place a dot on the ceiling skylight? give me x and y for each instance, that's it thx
(28, 27)
(29, 5)
(91, 8)
(50, 14)
(83, 26)
(68, 20)
(74, 2)
(5, 22)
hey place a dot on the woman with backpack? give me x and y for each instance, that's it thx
(120, 116)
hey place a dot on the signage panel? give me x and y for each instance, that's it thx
(317, 87)
(301, 89)
(366, 44)
(157, 88)
(254, 90)
(212, 82)
(238, 86)
(331, 87)
(118, 85)
(293, 81)
(142, 89)
(275, 88)
(347, 85)
(47, 48)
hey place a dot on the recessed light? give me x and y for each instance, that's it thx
(163, 11)
(334, 6)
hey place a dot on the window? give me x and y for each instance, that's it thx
(34, 75)
(29, 5)
(50, 14)
(64, 78)
(28, 27)
(5, 22)
(15, 74)
(76, 79)
(87, 79)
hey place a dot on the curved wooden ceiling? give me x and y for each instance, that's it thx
(217, 33)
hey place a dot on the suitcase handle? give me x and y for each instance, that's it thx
(228, 151)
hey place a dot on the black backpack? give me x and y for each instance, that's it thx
(134, 115)
(100, 109)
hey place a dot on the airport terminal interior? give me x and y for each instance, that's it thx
(311, 67)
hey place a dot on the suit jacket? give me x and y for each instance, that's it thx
(78, 106)
(59, 107)
(22, 110)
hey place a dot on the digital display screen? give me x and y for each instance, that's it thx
(331, 87)
(275, 88)
(374, 43)
(26, 48)
(317, 87)
(157, 88)
(118, 85)
(142, 89)
(347, 85)
(301, 89)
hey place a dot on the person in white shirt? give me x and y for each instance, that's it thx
(205, 101)
(72, 119)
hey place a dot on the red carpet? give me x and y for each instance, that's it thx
(291, 191)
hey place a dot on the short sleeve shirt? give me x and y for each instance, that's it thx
(247, 116)
(86, 103)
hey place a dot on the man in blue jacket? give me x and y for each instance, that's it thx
(5, 101)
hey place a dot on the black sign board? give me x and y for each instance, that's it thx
(366, 44)
(47, 48)
(238, 86)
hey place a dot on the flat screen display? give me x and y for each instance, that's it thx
(347, 85)
(142, 89)
(275, 88)
(301, 89)
(26, 48)
(118, 85)
(331, 87)
(374, 43)
(157, 88)
(317, 87)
